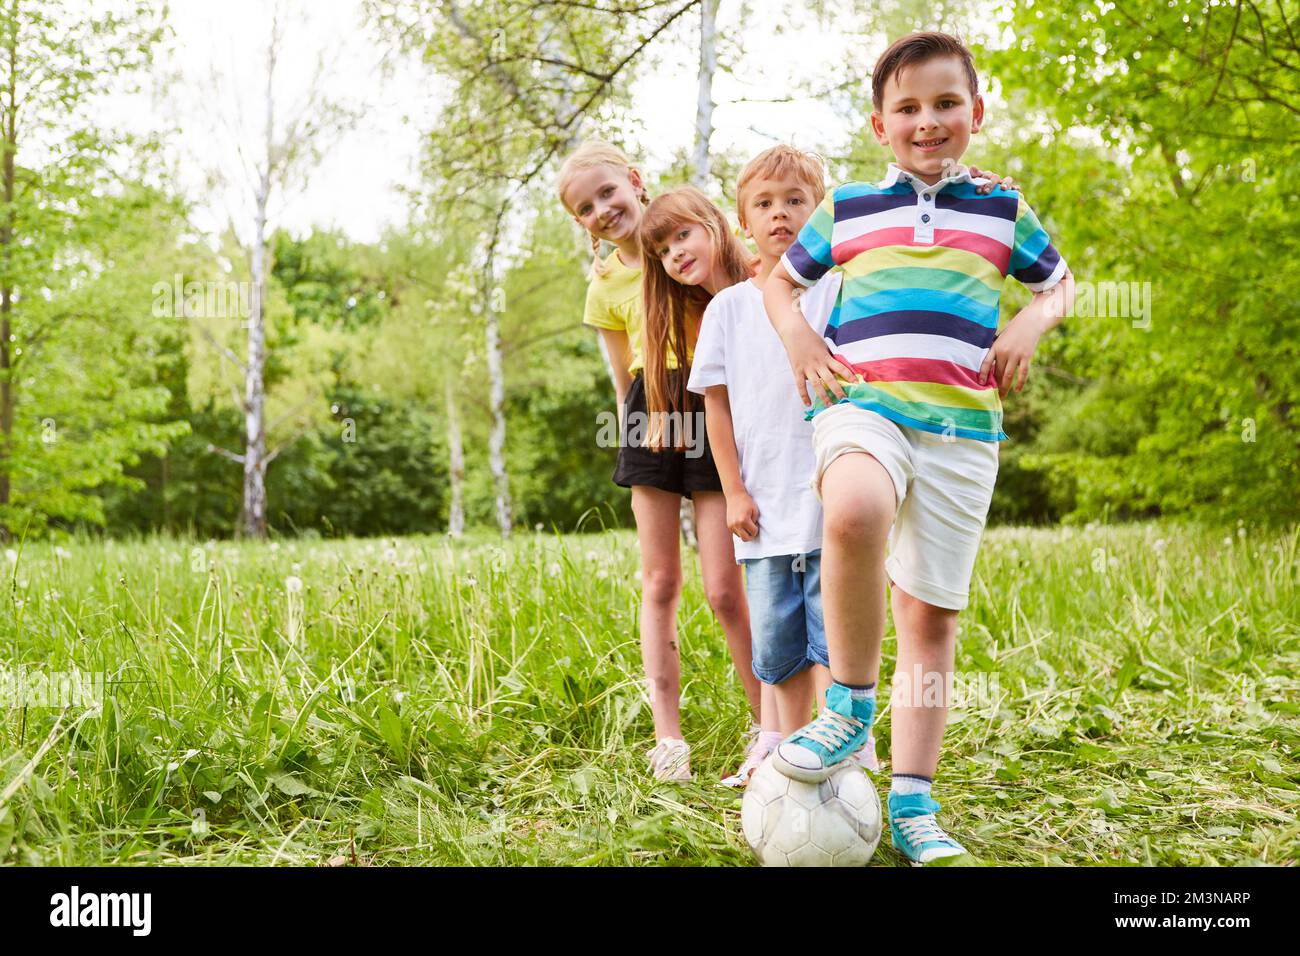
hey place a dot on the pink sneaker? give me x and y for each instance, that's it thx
(741, 777)
(866, 757)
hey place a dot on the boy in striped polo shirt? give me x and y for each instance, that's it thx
(906, 409)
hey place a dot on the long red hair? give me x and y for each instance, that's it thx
(673, 310)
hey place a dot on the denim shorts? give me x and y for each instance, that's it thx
(785, 614)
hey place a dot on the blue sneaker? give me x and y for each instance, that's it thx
(915, 832)
(840, 730)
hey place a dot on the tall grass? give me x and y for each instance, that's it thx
(423, 702)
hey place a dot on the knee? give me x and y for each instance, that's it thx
(661, 588)
(727, 601)
(925, 622)
(858, 522)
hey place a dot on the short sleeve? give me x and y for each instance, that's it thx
(1034, 260)
(818, 303)
(809, 258)
(709, 364)
(598, 313)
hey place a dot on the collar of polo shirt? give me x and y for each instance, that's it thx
(960, 174)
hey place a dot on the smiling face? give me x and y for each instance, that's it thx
(927, 116)
(773, 211)
(605, 201)
(687, 254)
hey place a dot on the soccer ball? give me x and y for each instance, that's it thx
(792, 823)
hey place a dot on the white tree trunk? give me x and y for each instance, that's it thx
(704, 100)
(254, 505)
(456, 451)
(700, 160)
(496, 390)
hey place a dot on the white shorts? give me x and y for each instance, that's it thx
(944, 486)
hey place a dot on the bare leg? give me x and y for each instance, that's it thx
(794, 699)
(769, 708)
(859, 504)
(821, 684)
(657, 530)
(927, 637)
(724, 586)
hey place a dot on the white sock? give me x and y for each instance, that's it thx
(862, 693)
(905, 784)
(768, 740)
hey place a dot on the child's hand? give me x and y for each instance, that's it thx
(742, 516)
(1008, 358)
(998, 181)
(811, 361)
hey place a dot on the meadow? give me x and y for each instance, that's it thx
(421, 701)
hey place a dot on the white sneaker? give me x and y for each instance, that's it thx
(670, 759)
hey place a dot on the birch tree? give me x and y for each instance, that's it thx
(277, 138)
(525, 77)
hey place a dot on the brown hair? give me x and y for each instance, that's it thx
(591, 154)
(914, 49)
(783, 162)
(672, 309)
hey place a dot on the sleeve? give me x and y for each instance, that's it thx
(818, 303)
(709, 365)
(1034, 260)
(809, 258)
(597, 311)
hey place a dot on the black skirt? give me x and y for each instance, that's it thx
(681, 472)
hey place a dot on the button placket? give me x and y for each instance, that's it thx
(924, 231)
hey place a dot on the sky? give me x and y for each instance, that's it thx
(206, 89)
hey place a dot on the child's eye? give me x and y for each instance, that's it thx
(683, 234)
(947, 104)
(906, 109)
(796, 200)
(764, 203)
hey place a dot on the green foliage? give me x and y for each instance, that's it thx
(379, 468)
(81, 347)
(322, 281)
(1194, 192)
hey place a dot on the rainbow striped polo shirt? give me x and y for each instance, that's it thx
(924, 268)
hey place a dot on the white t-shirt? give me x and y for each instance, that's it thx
(739, 348)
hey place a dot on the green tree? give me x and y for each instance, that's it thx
(80, 347)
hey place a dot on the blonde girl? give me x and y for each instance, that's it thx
(606, 195)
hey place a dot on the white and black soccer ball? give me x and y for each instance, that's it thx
(791, 823)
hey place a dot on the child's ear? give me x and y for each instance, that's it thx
(878, 127)
(977, 114)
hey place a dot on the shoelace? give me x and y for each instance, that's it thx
(832, 730)
(923, 829)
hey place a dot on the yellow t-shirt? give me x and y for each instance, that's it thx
(614, 302)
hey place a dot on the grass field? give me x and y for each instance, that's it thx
(422, 702)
